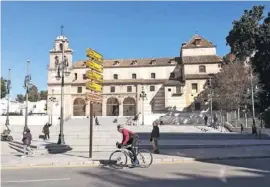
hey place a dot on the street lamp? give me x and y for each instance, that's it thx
(62, 71)
(8, 91)
(27, 86)
(53, 100)
(254, 130)
(143, 97)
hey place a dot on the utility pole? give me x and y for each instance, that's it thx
(8, 97)
(211, 100)
(27, 85)
(143, 97)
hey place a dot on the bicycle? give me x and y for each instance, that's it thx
(126, 153)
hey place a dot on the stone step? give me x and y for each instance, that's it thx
(19, 147)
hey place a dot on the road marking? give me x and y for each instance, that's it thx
(37, 180)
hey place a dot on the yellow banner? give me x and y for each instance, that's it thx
(93, 86)
(95, 66)
(90, 53)
(94, 76)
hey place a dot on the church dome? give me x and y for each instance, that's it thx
(61, 38)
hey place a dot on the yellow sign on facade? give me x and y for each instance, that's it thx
(94, 76)
(93, 86)
(90, 53)
(95, 66)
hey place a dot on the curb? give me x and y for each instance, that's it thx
(97, 163)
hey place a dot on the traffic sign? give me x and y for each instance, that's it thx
(93, 86)
(90, 53)
(94, 76)
(94, 65)
(94, 97)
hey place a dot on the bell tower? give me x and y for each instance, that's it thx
(61, 44)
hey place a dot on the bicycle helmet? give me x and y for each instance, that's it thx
(120, 127)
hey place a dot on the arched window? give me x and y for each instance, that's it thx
(61, 47)
(202, 69)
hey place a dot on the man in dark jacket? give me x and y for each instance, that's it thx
(46, 131)
(27, 138)
(154, 137)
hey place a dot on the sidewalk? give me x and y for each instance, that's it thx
(165, 156)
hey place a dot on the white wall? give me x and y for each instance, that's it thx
(162, 72)
(35, 107)
(199, 51)
(194, 68)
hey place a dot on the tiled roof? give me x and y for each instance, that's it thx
(173, 83)
(143, 62)
(201, 59)
(203, 42)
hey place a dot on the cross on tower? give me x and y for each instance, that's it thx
(62, 29)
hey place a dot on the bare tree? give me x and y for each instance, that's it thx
(233, 83)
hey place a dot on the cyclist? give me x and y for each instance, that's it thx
(129, 138)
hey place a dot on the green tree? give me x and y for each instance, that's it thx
(33, 94)
(20, 98)
(43, 94)
(252, 33)
(3, 88)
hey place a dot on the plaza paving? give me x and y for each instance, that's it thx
(215, 173)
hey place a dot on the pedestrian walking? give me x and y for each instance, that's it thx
(154, 137)
(136, 119)
(27, 138)
(46, 131)
(205, 120)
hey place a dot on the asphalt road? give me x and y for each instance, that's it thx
(231, 173)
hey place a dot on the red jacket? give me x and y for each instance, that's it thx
(127, 135)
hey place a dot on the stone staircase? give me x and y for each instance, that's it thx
(105, 136)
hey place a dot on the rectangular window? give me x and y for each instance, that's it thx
(129, 88)
(79, 89)
(75, 76)
(153, 75)
(112, 89)
(134, 76)
(115, 76)
(169, 89)
(84, 77)
(152, 88)
(194, 87)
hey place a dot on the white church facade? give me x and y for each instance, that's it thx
(168, 82)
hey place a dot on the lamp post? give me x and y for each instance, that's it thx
(254, 129)
(27, 85)
(8, 92)
(143, 97)
(53, 100)
(62, 71)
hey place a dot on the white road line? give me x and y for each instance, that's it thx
(37, 180)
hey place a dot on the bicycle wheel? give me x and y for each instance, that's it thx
(145, 158)
(118, 159)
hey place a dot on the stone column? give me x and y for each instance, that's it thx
(121, 108)
(87, 108)
(104, 106)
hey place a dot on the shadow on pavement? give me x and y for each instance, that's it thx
(108, 177)
(54, 148)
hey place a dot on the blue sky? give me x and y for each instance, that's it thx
(115, 29)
